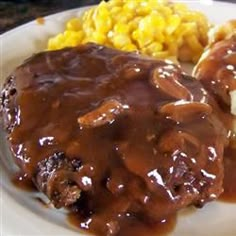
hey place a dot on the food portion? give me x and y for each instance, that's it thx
(216, 68)
(162, 29)
(117, 138)
(222, 32)
(217, 72)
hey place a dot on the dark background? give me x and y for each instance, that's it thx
(16, 12)
(13, 13)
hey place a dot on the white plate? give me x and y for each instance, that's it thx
(20, 213)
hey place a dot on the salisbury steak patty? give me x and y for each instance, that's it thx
(113, 135)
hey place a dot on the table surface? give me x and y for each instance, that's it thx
(13, 13)
(17, 12)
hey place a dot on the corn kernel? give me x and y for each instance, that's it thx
(59, 38)
(78, 36)
(123, 18)
(101, 11)
(98, 38)
(130, 5)
(187, 28)
(87, 40)
(68, 33)
(154, 47)
(142, 38)
(88, 30)
(120, 40)
(166, 11)
(159, 37)
(134, 23)
(74, 24)
(115, 10)
(180, 7)
(157, 28)
(151, 24)
(135, 35)
(193, 43)
(70, 43)
(121, 28)
(172, 23)
(129, 47)
(144, 9)
(160, 55)
(88, 14)
(157, 21)
(103, 24)
(52, 44)
(115, 3)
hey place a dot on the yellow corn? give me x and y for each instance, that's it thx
(153, 47)
(120, 40)
(129, 47)
(98, 38)
(157, 28)
(173, 22)
(74, 24)
(121, 28)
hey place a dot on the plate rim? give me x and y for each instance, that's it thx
(33, 22)
(69, 11)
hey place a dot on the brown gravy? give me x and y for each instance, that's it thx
(122, 141)
(20, 180)
(217, 71)
(132, 226)
(229, 194)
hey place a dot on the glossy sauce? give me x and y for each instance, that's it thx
(20, 180)
(229, 193)
(217, 72)
(132, 226)
(121, 140)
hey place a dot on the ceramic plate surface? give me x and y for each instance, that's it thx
(20, 213)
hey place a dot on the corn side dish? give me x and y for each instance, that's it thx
(157, 28)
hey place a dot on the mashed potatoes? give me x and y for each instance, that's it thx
(160, 28)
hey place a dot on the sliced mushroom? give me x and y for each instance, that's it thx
(191, 140)
(102, 115)
(167, 81)
(175, 140)
(183, 111)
